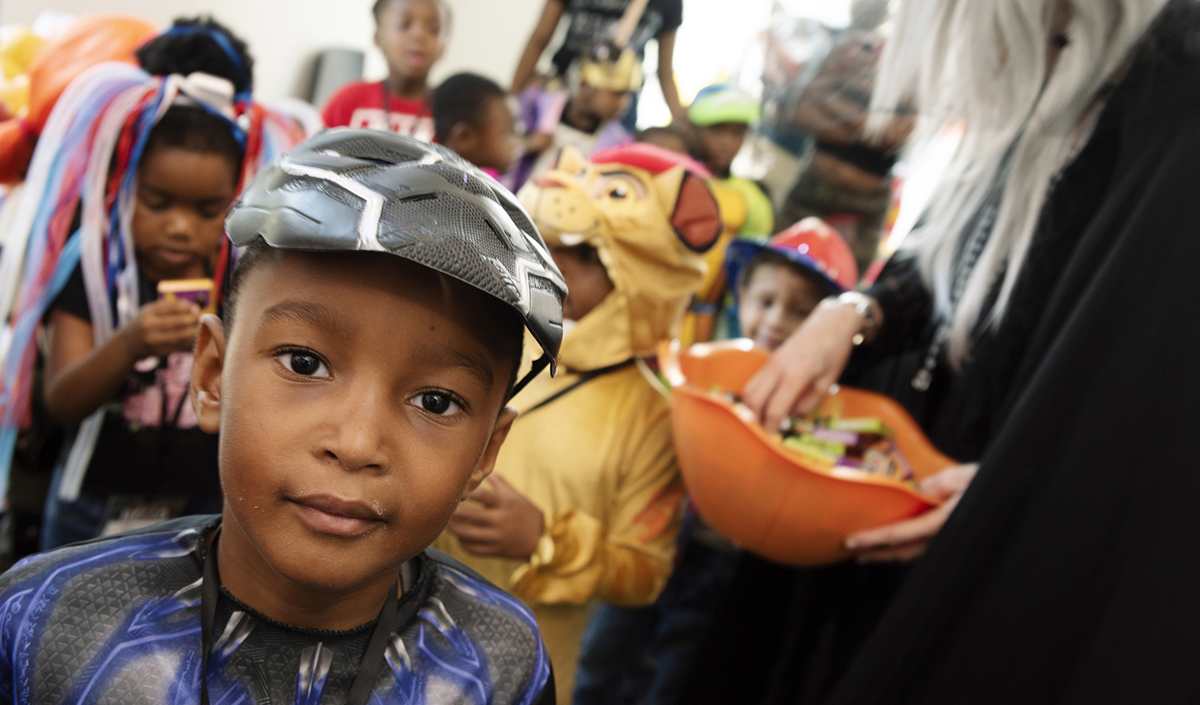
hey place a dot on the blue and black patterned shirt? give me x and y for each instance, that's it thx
(117, 620)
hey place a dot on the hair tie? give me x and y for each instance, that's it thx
(226, 46)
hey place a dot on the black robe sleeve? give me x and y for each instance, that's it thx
(907, 309)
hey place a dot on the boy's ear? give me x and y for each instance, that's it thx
(461, 136)
(209, 362)
(487, 462)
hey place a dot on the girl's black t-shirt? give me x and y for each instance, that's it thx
(150, 446)
(593, 21)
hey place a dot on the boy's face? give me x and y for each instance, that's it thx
(774, 302)
(600, 103)
(491, 144)
(587, 279)
(720, 143)
(409, 33)
(179, 211)
(359, 399)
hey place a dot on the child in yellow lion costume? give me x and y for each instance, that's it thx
(586, 504)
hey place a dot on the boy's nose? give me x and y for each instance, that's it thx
(773, 316)
(179, 226)
(357, 441)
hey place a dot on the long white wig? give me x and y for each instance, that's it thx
(982, 64)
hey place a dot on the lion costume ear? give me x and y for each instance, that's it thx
(569, 160)
(694, 211)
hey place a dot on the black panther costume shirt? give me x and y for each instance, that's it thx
(117, 620)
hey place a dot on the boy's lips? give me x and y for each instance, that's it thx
(333, 515)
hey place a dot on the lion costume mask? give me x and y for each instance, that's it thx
(651, 220)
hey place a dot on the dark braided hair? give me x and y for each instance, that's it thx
(175, 51)
(180, 51)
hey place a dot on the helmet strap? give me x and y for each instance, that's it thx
(538, 365)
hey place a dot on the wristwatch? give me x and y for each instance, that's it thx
(862, 306)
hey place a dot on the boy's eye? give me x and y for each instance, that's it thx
(439, 403)
(212, 210)
(303, 363)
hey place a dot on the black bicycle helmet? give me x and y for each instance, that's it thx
(349, 189)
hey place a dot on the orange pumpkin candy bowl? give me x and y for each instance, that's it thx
(764, 496)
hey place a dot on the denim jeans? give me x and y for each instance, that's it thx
(67, 522)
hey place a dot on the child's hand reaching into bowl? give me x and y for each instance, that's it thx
(800, 373)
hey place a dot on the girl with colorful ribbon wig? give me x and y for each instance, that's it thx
(118, 245)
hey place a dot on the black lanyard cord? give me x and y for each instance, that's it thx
(368, 669)
(387, 108)
(584, 378)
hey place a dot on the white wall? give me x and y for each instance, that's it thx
(488, 35)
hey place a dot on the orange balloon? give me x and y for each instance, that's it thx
(87, 41)
(764, 496)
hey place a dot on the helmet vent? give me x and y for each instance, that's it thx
(417, 197)
(372, 150)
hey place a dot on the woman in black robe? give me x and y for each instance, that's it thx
(1069, 570)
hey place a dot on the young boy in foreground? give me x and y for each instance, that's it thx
(360, 391)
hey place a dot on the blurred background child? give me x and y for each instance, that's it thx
(846, 178)
(723, 115)
(721, 118)
(150, 461)
(642, 654)
(471, 116)
(666, 137)
(779, 282)
(582, 114)
(412, 36)
(595, 22)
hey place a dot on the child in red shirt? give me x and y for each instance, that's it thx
(412, 36)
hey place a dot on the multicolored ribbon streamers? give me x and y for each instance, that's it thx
(87, 159)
